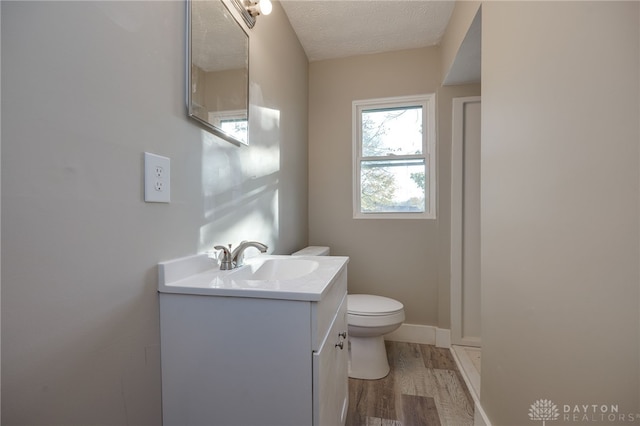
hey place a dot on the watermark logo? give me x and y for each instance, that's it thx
(544, 410)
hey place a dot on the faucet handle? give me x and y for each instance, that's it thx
(226, 251)
(226, 262)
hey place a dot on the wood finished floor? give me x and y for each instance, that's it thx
(424, 388)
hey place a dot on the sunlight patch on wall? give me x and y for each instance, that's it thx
(240, 186)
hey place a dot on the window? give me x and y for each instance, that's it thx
(394, 158)
(234, 123)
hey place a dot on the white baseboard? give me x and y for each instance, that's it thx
(480, 417)
(468, 373)
(423, 334)
(443, 338)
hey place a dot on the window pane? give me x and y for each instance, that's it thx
(392, 131)
(392, 186)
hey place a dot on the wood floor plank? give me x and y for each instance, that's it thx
(419, 411)
(412, 377)
(383, 402)
(415, 392)
(454, 407)
(356, 413)
(374, 421)
(373, 398)
(465, 389)
(381, 392)
(437, 357)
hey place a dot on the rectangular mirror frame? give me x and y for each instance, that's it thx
(209, 126)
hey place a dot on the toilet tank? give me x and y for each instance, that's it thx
(312, 251)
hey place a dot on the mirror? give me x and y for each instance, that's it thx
(218, 70)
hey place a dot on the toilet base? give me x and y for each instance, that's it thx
(367, 358)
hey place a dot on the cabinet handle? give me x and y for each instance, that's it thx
(341, 336)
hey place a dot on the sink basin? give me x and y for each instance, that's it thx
(275, 269)
(264, 276)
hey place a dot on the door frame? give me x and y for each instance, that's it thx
(457, 205)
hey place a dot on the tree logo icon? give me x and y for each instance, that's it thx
(543, 409)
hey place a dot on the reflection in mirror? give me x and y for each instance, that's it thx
(218, 78)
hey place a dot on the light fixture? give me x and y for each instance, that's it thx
(259, 7)
(249, 9)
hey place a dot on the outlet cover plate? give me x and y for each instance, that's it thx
(157, 178)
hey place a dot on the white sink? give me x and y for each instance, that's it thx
(274, 269)
(264, 276)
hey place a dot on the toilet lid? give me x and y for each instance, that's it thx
(368, 304)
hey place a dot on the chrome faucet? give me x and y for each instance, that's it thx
(232, 259)
(237, 255)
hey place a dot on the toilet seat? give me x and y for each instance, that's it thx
(371, 305)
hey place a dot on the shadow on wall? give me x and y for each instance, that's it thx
(240, 186)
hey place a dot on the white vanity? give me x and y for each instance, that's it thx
(264, 344)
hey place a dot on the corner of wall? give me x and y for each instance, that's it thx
(461, 18)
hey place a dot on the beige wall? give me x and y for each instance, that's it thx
(560, 193)
(403, 259)
(87, 88)
(223, 90)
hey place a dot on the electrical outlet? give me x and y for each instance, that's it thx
(157, 178)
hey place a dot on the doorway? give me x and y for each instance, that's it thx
(466, 329)
(465, 222)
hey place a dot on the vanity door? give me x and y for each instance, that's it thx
(330, 379)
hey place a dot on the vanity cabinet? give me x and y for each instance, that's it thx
(242, 360)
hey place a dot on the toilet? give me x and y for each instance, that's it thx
(313, 251)
(369, 318)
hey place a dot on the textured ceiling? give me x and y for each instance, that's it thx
(341, 28)
(217, 42)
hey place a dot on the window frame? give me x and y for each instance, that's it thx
(218, 118)
(427, 101)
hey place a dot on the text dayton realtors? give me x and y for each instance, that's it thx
(596, 413)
